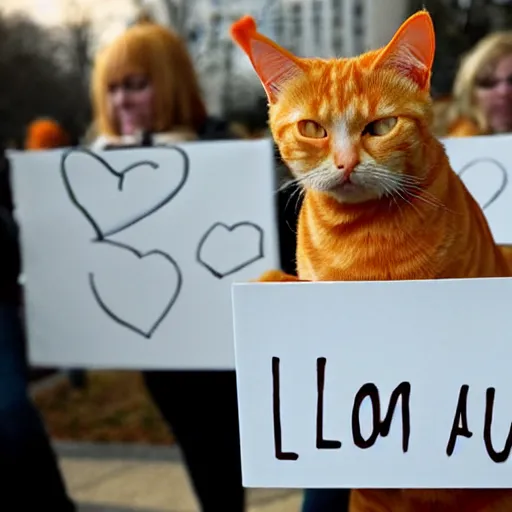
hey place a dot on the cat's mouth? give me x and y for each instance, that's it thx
(347, 186)
(351, 190)
(356, 188)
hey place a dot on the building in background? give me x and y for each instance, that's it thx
(322, 28)
(334, 28)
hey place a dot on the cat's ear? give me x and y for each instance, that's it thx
(274, 65)
(412, 49)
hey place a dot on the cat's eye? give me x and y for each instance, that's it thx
(312, 130)
(380, 127)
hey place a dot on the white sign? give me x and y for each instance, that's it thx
(485, 166)
(404, 384)
(129, 255)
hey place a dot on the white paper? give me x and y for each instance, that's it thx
(435, 335)
(485, 164)
(129, 255)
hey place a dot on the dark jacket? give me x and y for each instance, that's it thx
(9, 244)
(288, 208)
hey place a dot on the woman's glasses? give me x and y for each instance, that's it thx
(130, 84)
(491, 83)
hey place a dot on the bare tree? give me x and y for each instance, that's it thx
(78, 41)
(41, 76)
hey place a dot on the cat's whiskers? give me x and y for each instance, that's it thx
(297, 193)
(382, 172)
(292, 182)
(408, 195)
(403, 226)
(379, 178)
(322, 178)
(406, 188)
(421, 194)
(299, 190)
(387, 193)
(393, 186)
(404, 197)
(403, 185)
(300, 183)
(413, 186)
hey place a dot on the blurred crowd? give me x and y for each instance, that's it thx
(144, 91)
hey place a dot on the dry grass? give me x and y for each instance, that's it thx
(114, 407)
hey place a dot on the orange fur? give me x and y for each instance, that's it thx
(381, 200)
(275, 276)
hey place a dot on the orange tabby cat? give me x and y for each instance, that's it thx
(381, 200)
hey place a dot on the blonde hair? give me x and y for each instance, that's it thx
(478, 63)
(162, 56)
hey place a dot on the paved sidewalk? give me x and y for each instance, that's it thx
(134, 478)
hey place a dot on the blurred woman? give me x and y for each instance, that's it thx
(145, 82)
(145, 92)
(482, 92)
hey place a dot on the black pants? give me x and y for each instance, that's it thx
(30, 477)
(326, 500)
(202, 411)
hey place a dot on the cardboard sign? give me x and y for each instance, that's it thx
(404, 384)
(129, 255)
(485, 166)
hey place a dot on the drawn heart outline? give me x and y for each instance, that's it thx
(231, 228)
(116, 318)
(120, 175)
(504, 173)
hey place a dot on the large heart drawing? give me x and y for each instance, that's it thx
(136, 290)
(224, 250)
(113, 200)
(489, 179)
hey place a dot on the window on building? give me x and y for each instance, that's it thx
(337, 27)
(296, 27)
(297, 20)
(317, 21)
(358, 30)
(279, 24)
(337, 12)
(337, 45)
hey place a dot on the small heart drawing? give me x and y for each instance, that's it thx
(486, 179)
(224, 250)
(114, 200)
(136, 290)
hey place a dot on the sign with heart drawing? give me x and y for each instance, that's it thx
(81, 169)
(129, 254)
(485, 166)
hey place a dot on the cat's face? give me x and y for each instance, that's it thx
(352, 128)
(350, 131)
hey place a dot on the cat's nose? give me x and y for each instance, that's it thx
(346, 161)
